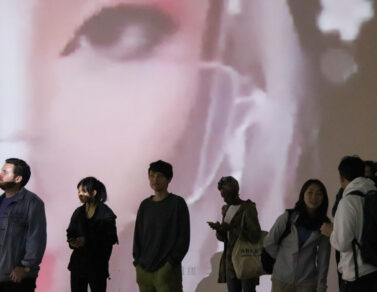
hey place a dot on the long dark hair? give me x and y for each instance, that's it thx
(89, 184)
(320, 216)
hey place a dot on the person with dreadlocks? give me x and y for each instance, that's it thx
(239, 217)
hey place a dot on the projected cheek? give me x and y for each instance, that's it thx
(125, 32)
(128, 66)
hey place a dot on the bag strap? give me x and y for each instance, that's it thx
(357, 193)
(354, 243)
(242, 223)
(287, 229)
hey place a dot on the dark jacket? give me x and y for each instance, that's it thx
(22, 234)
(100, 235)
(251, 231)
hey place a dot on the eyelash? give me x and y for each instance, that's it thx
(106, 28)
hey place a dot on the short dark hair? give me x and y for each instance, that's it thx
(89, 184)
(21, 168)
(351, 167)
(372, 165)
(162, 166)
(321, 212)
(228, 181)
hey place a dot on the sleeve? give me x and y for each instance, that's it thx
(271, 241)
(111, 232)
(221, 235)
(36, 236)
(137, 235)
(73, 227)
(104, 243)
(183, 237)
(344, 225)
(323, 259)
(109, 235)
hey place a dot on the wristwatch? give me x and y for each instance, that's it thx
(27, 269)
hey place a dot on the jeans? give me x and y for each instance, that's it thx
(237, 285)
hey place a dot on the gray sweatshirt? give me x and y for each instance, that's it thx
(307, 265)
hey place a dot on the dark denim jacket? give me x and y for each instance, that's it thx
(22, 234)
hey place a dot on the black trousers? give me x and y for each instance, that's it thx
(236, 285)
(367, 283)
(80, 283)
(26, 285)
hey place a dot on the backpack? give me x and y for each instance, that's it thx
(368, 244)
(267, 260)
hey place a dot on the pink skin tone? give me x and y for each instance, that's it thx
(89, 115)
(98, 113)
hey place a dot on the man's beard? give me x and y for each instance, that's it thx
(8, 185)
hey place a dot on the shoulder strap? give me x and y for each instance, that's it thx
(287, 229)
(357, 193)
(354, 243)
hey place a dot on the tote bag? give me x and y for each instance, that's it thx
(246, 256)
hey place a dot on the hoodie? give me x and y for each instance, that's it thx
(348, 225)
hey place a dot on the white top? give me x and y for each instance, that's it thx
(232, 210)
(348, 224)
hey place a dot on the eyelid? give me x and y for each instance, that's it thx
(114, 21)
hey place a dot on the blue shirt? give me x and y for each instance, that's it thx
(303, 235)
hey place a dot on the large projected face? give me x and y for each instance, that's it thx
(117, 82)
(110, 86)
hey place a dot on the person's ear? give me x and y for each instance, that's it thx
(94, 193)
(18, 179)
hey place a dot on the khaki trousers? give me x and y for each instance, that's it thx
(165, 279)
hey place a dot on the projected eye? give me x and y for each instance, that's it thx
(123, 32)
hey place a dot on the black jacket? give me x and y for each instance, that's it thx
(100, 235)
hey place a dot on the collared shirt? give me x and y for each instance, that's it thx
(22, 234)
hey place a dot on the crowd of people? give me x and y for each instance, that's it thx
(300, 240)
